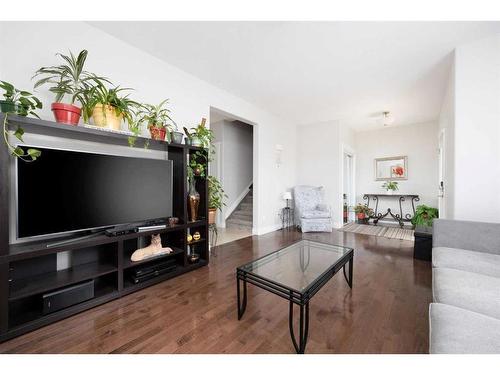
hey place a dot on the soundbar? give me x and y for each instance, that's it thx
(66, 297)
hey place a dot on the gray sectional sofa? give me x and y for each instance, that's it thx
(465, 314)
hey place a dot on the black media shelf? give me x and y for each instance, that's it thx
(26, 287)
(29, 270)
(195, 242)
(127, 263)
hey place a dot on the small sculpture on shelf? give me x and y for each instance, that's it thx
(196, 236)
(153, 250)
(189, 238)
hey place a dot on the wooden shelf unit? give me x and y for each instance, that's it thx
(29, 270)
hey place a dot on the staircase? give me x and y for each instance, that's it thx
(242, 216)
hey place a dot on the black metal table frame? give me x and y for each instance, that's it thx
(294, 296)
(400, 218)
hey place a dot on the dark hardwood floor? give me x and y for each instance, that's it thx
(386, 311)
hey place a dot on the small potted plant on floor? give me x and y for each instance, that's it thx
(424, 215)
(363, 213)
(200, 135)
(67, 80)
(21, 103)
(216, 198)
(390, 187)
(158, 120)
(108, 107)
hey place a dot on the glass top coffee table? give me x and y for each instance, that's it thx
(296, 273)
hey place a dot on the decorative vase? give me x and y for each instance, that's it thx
(193, 201)
(105, 116)
(66, 113)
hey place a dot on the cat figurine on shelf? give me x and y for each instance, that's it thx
(153, 250)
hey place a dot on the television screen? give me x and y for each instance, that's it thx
(65, 191)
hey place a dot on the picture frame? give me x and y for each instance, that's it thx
(392, 168)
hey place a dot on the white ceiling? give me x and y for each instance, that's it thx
(308, 72)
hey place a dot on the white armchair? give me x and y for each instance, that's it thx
(312, 214)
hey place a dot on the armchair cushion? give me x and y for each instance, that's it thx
(315, 214)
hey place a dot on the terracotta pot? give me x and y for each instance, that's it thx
(361, 215)
(157, 133)
(105, 116)
(212, 214)
(66, 113)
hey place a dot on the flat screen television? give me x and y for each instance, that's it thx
(68, 191)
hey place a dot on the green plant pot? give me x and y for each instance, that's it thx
(195, 141)
(187, 141)
(177, 137)
(7, 107)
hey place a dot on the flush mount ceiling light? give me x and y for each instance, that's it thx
(387, 118)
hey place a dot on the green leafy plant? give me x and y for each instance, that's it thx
(363, 209)
(216, 194)
(100, 94)
(69, 78)
(156, 116)
(424, 215)
(197, 165)
(390, 185)
(21, 103)
(205, 135)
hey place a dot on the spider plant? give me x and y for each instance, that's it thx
(68, 80)
(109, 101)
(157, 119)
(21, 103)
(200, 135)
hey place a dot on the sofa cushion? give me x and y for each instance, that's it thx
(470, 291)
(466, 260)
(459, 331)
(315, 214)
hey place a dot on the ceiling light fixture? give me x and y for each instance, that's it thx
(387, 119)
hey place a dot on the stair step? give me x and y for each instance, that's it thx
(238, 222)
(241, 216)
(244, 205)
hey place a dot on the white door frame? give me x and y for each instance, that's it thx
(442, 182)
(347, 150)
(255, 161)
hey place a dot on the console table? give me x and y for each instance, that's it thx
(400, 217)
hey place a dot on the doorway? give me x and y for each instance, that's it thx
(348, 188)
(233, 166)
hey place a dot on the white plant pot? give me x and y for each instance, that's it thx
(390, 192)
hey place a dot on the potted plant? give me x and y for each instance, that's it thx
(363, 213)
(390, 187)
(21, 103)
(200, 136)
(216, 198)
(107, 107)
(68, 79)
(424, 215)
(157, 117)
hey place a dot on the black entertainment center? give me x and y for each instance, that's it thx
(35, 291)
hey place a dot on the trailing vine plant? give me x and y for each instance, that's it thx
(21, 103)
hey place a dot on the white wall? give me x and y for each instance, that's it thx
(447, 126)
(320, 160)
(34, 44)
(236, 160)
(419, 142)
(477, 131)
